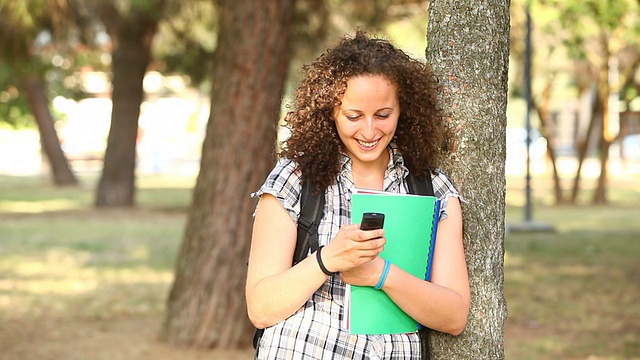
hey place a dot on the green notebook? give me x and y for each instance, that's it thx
(410, 224)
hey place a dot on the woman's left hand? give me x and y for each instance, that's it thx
(366, 274)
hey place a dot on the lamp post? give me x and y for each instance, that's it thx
(527, 91)
(528, 225)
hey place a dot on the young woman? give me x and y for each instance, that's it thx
(364, 115)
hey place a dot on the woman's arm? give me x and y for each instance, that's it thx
(442, 304)
(275, 289)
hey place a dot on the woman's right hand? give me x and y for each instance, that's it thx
(352, 247)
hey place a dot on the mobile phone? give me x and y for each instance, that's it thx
(372, 221)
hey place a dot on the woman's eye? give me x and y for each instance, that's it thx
(353, 117)
(383, 116)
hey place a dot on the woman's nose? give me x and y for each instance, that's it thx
(369, 128)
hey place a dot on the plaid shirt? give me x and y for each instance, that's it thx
(314, 331)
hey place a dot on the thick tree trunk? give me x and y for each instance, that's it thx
(468, 47)
(36, 90)
(206, 306)
(131, 38)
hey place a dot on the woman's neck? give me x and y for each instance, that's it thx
(373, 182)
(370, 175)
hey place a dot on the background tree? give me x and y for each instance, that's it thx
(575, 43)
(468, 47)
(598, 32)
(186, 40)
(132, 26)
(319, 23)
(27, 30)
(206, 306)
(549, 63)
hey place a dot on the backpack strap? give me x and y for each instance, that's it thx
(420, 186)
(311, 212)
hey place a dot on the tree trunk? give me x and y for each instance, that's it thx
(131, 38)
(583, 148)
(36, 91)
(600, 193)
(468, 47)
(605, 138)
(206, 305)
(544, 114)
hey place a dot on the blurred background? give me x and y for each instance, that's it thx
(57, 64)
(79, 283)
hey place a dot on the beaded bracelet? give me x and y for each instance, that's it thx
(383, 276)
(322, 267)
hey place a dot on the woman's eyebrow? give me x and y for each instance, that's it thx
(382, 108)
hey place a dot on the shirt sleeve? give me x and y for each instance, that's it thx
(443, 189)
(284, 184)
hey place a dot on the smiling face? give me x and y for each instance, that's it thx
(367, 120)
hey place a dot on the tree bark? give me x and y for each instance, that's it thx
(36, 92)
(206, 305)
(468, 47)
(131, 37)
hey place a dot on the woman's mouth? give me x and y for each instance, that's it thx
(368, 144)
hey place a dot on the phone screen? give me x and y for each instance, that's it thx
(372, 221)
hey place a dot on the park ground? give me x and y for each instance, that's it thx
(77, 283)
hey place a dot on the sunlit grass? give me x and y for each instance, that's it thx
(39, 206)
(62, 283)
(34, 194)
(61, 258)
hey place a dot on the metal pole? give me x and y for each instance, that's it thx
(527, 89)
(528, 225)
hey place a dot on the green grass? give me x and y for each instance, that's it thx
(63, 259)
(572, 294)
(36, 194)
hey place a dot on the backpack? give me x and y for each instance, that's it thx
(311, 212)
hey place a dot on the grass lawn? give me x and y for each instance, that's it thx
(573, 293)
(78, 283)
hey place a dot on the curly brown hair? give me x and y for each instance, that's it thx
(314, 143)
